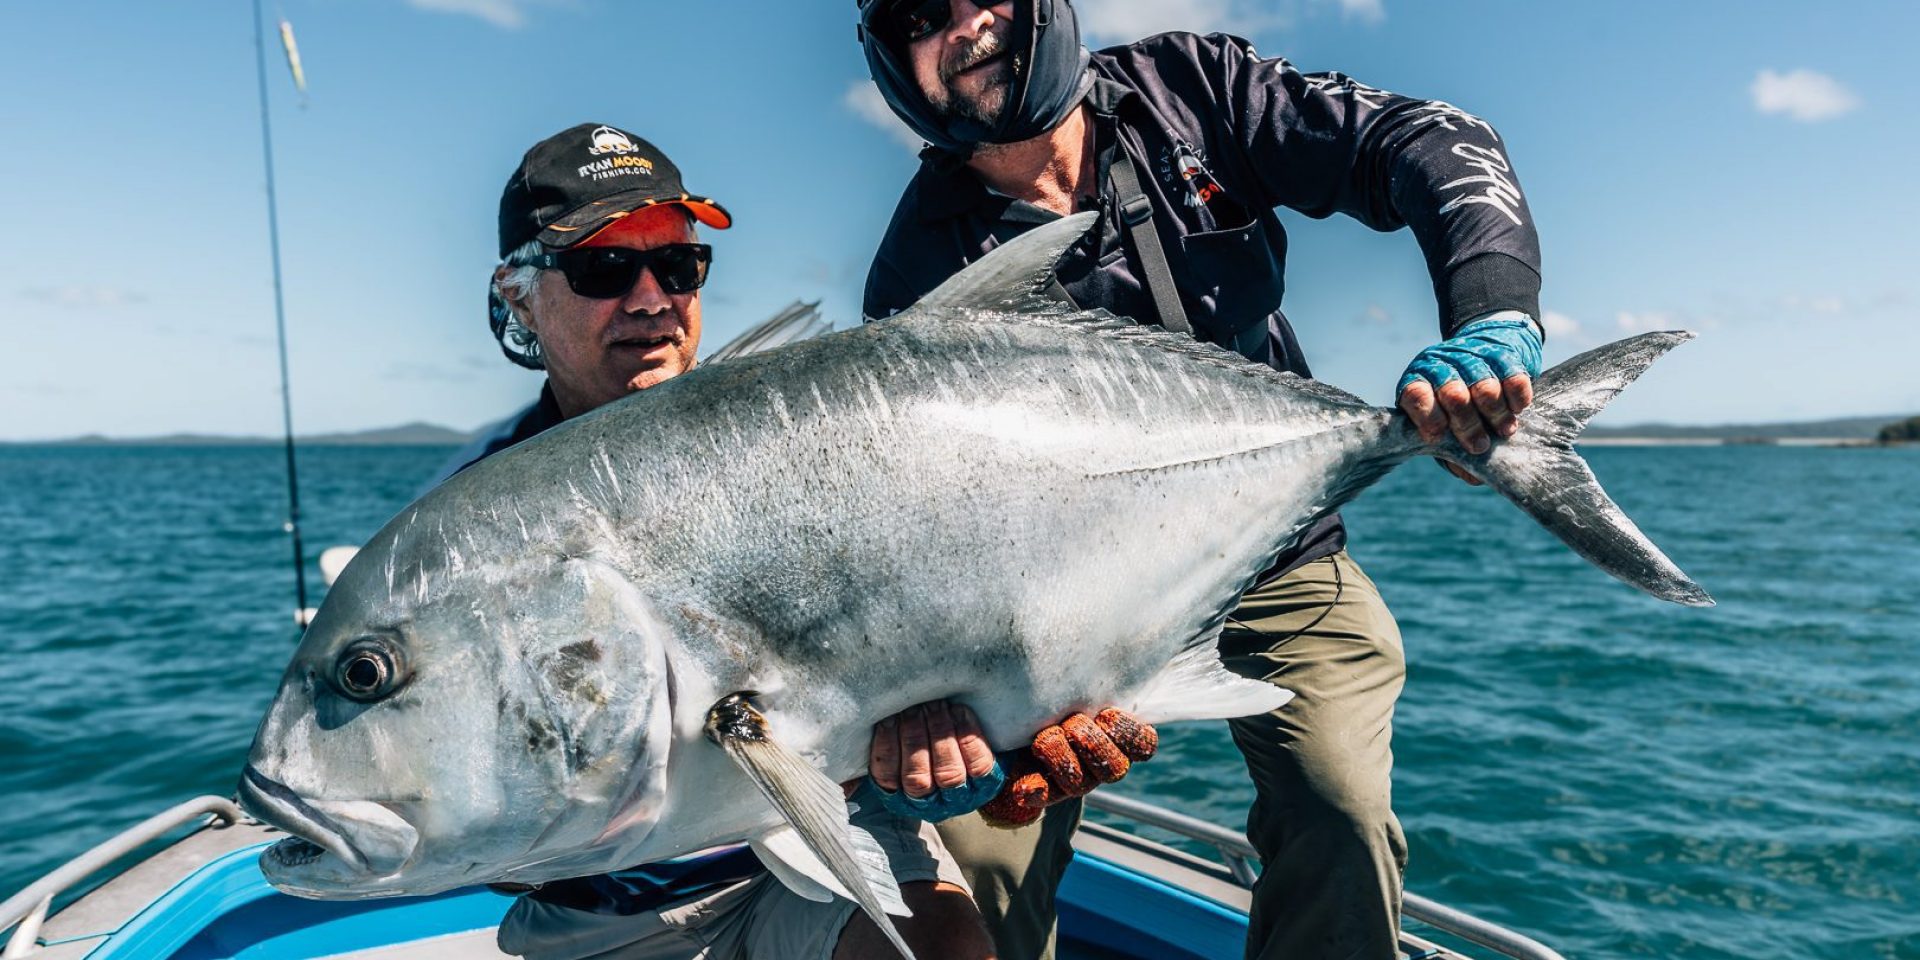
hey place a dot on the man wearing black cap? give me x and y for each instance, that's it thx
(1186, 145)
(599, 273)
(599, 285)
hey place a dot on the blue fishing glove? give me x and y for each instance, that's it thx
(1499, 345)
(944, 803)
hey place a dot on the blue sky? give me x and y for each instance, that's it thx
(1741, 169)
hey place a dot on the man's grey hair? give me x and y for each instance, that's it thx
(516, 341)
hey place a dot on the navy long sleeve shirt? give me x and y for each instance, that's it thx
(1220, 138)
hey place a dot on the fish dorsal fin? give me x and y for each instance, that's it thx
(1017, 275)
(824, 852)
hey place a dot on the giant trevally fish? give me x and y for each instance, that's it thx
(671, 623)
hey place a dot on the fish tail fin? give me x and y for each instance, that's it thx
(1538, 469)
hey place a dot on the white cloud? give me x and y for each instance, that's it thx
(1371, 11)
(1804, 95)
(1643, 322)
(1124, 21)
(505, 14)
(1559, 325)
(864, 99)
(1377, 314)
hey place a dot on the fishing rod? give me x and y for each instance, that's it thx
(301, 614)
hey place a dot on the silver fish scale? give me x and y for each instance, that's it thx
(1066, 505)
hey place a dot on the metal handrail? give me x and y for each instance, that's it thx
(28, 908)
(1466, 926)
(1234, 850)
(1240, 857)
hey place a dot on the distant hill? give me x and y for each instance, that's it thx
(1904, 431)
(1847, 428)
(411, 434)
(408, 434)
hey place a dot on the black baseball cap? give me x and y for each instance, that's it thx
(577, 181)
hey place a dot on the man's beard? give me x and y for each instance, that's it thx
(985, 106)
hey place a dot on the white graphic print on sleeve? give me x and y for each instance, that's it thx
(1444, 114)
(1495, 181)
(1500, 192)
(1334, 84)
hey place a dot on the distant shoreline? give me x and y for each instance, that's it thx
(1847, 432)
(406, 435)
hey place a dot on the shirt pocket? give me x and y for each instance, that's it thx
(1235, 275)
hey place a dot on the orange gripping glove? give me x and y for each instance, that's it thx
(1069, 760)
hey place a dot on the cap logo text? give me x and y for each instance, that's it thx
(610, 167)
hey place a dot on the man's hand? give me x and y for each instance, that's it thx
(1068, 760)
(930, 762)
(1475, 384)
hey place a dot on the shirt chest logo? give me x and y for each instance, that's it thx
(1183, 167)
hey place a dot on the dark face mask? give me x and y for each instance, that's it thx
(1048, 80)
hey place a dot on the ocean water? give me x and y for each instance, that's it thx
(1615, 776)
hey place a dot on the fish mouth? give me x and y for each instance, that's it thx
(313, 833)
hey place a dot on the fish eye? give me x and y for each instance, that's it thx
(369, 669)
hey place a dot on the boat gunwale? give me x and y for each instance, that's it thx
(107, 915)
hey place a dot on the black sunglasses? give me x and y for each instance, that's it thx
(905, 21)
(603, 273)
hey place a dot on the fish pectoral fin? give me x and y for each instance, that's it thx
(818, 849)
(1195, 685)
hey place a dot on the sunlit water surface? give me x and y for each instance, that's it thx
(1613, 775)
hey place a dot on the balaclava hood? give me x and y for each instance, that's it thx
(1050, 78)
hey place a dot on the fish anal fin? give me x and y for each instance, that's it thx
(794, 865)
(1195, 685)
(825, 852)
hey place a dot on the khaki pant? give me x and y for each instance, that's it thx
(1322, 817)
(1013, 875)
(752, 919)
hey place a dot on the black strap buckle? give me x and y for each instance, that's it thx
(1136, 210)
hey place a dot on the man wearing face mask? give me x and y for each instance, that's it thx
(1187, 144)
